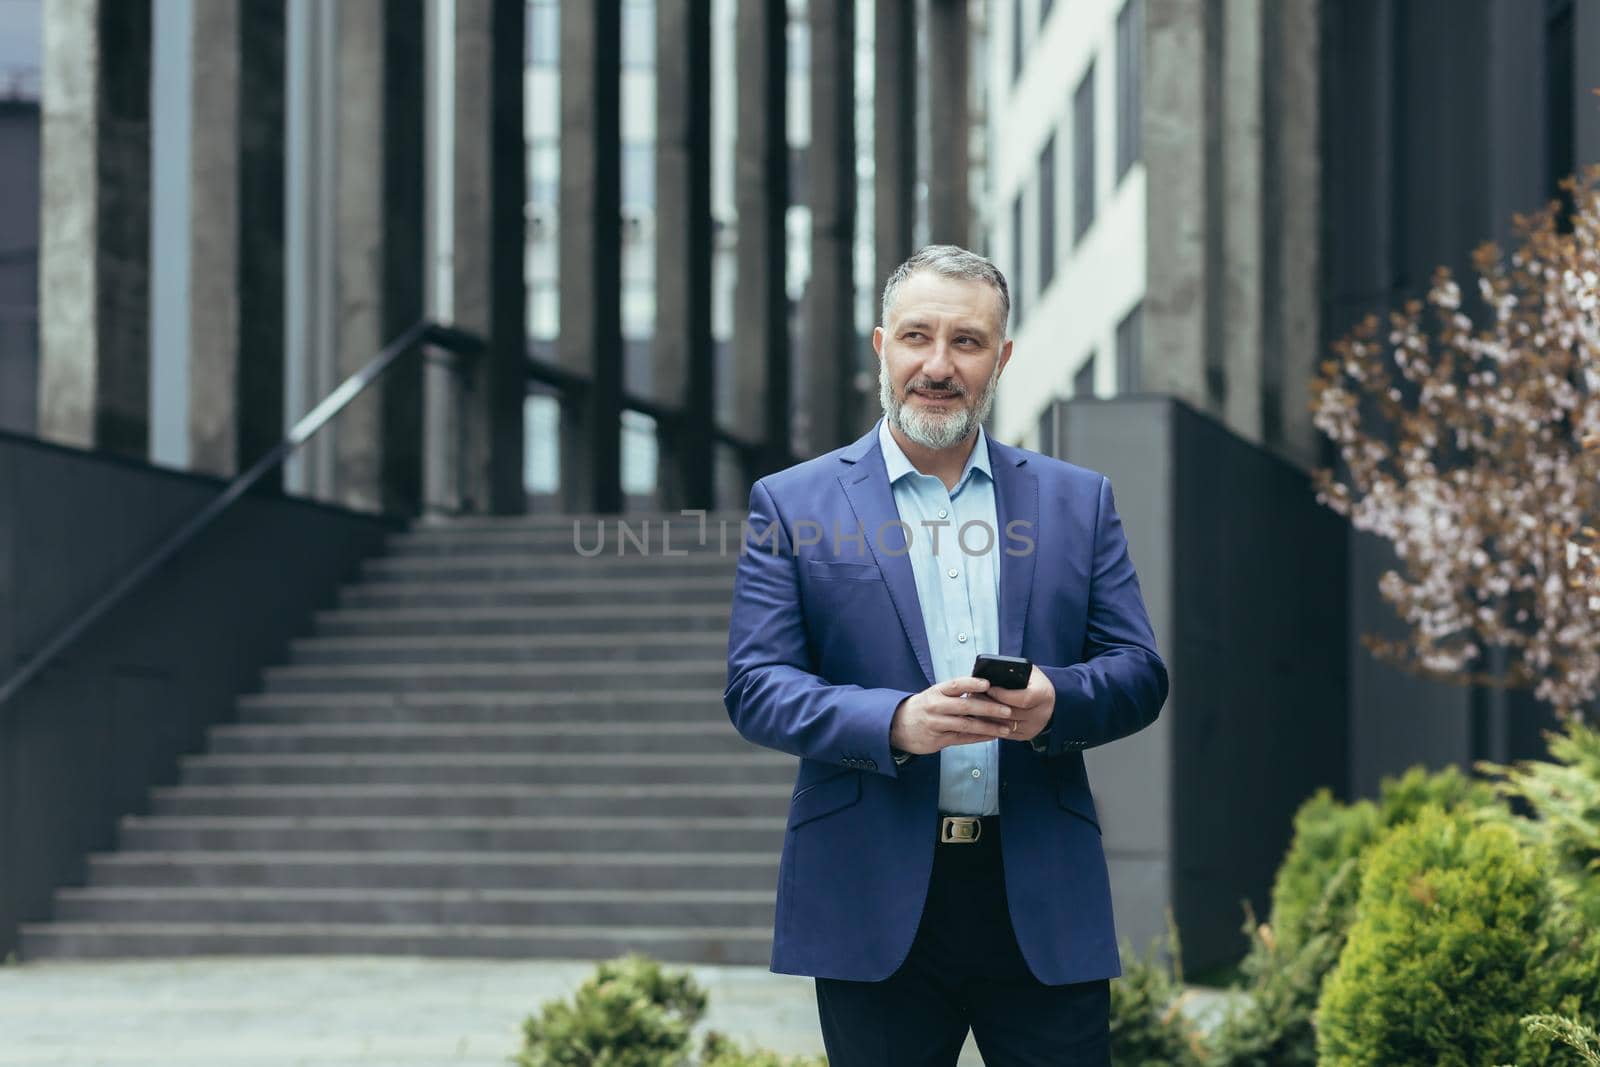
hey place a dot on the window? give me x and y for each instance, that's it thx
(1083, 155)
(1083, 381)
(1016, 263)
(639, 34)
(1047, 214)
(1130, 73)
(639, 175)
(544, 172)
(1130, 341)
(543, 47)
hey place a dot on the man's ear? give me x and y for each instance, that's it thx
(877, 340)
(1005, 357)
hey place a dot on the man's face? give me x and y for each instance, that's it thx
(939, 356)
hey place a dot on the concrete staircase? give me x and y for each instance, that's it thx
(492, 747)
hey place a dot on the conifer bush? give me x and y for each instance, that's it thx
(1148, 1026)
(1442, 959)
(633, 1013)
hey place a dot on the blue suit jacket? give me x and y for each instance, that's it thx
(825, 643)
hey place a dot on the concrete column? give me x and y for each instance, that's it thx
(830, 292)
(683, 342)
(761, 194)
(1586, 76)
(591, 252)
(894, 132)
(236, 233)
(949, 123)
(1292, 213)
(482, 145)
(1175, 119)
(1234, 225)
(94, 246)
(379, 255)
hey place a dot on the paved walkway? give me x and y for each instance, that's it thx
(340, 1011)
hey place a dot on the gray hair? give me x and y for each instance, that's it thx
(950, 261)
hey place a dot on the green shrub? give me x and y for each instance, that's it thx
(1313, 903)
(1442, 958)
(1568, 1031)
(1564, 799)
(1272, 1026)
(630, 1013)
(719, 1051)
(1148, 1027)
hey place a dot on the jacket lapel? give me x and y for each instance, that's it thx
(1016, 499)
(866, 486)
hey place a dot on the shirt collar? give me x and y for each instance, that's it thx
(898, 466)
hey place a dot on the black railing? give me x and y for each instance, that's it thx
(449, 338)
(674, 426)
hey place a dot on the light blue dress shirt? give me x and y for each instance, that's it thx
(960, 597)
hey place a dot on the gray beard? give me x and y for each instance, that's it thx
(931, 429)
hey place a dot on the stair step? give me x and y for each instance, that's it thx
(451, 907)
(706, 735)
(486, 649)
(617, 592)
(709, 944)
(568, 619)
(698, 672)
(419, 834)
(525, 525)
(468, 707)
(438, 870)
(543, 566)
(621, 768)
(471, 801)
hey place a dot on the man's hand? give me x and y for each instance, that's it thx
(1031, 708)
(945, 715)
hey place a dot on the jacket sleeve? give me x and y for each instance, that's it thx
(772, 697)
(1121, 684)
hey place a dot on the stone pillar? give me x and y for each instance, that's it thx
(591, 252)
(894, 132)
(761, 177)
(236, 233)
(482, 147)
(379, 252)
(830, 293)
(94, 254)
(949, 122)
(1292, 210)
(683, 342)
(1234, 221)
(1173, 356)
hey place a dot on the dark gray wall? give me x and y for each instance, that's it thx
(83, 744)
(19, 264)
(1244, 576)
(1441, 119)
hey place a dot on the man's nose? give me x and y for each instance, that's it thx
(940, 363)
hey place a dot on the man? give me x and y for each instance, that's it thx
(942, 868)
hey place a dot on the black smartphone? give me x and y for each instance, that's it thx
(1002, 672)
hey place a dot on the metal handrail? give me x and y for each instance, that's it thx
(447, 337)
(573, 384)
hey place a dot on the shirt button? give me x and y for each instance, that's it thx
(976, 773)
(952, 572)
(943, 513)
(962, 638)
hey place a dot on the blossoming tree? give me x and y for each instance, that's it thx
(1469, 446)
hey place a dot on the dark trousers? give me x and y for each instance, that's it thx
(965, 971)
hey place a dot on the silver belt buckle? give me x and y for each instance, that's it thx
(960, 829)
